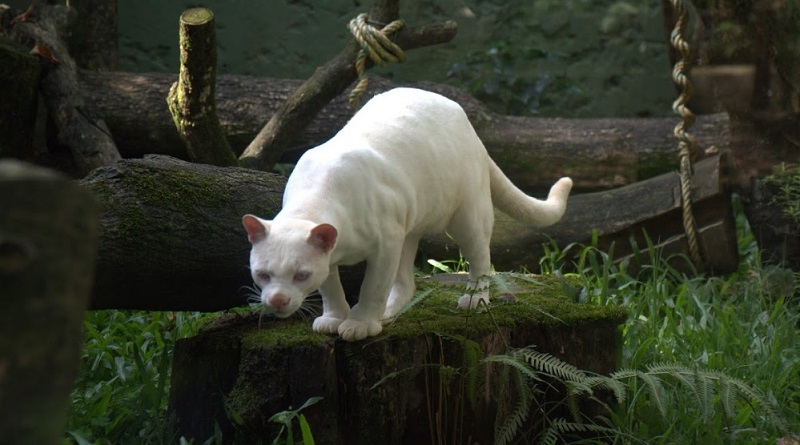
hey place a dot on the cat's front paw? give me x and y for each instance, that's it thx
(472, 301)
(355, 330)
(327, 325)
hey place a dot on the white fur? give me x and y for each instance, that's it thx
(407, 164)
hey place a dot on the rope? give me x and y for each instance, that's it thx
(375, 43)
(687, 148)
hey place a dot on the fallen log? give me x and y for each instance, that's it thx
(597, 153)
(173, 240)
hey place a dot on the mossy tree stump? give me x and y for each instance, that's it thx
(419, 381)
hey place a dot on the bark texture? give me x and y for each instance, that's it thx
(597, 153)
(48, 240)
(420, 381)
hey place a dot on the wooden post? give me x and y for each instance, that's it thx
(192, 99)
(48, 239)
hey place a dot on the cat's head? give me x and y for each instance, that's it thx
(289, 259)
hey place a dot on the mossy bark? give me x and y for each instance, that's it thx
(419, 381)
(48, 241)
(192, 99)
(172, 235)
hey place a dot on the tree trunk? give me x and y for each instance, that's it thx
(597, 153)
(48, 240)
(173, 239)
(93, 37)
(78, 125)
(19, 77)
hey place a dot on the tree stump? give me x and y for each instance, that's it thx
(48, 240)
(423, 371)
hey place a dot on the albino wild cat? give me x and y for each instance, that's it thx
(407, 164)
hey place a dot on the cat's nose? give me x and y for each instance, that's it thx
(278, 301)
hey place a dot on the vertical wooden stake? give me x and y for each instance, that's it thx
(48, 242)
(191, 99)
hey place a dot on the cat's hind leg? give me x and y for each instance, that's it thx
(472, 230)
(334, 305)
(404, 286)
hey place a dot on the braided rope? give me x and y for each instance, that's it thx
(376, 44)
(687, 148)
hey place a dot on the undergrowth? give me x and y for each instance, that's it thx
(704, 360)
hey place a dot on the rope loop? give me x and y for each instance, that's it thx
(376, 44)
(687, 147)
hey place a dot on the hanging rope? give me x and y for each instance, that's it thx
(375, 43)
(687, 148)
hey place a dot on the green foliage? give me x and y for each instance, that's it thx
(705, 359)
(287, 418)
(787, 182)
(121, 394)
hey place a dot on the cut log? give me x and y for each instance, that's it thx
(420, 381)
(48, 241)
(597, 153)
(173, 240)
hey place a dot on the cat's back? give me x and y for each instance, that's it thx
(404, 135)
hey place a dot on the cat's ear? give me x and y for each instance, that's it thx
(323, 236)
(256, 229)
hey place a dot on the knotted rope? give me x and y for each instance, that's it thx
(687, 148)
(375, 43)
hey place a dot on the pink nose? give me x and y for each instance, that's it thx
(278, 301)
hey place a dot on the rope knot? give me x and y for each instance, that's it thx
(376, 44)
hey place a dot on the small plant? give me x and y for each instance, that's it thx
(287, 418)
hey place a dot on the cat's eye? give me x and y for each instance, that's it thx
(302, 276)
(263, 276)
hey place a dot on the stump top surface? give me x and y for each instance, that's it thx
(516, 299)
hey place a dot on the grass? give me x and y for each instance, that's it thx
(739, 328)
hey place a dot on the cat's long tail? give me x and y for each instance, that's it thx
(513, 201)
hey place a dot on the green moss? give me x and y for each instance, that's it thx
(540, 300)
(284, 334)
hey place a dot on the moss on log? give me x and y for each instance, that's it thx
(389, 389)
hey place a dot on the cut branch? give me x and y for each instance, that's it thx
(325, 84)
(192, 99)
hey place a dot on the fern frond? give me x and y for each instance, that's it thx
(656, 391)
(552, 365)
(559, 427)
(505, 432)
